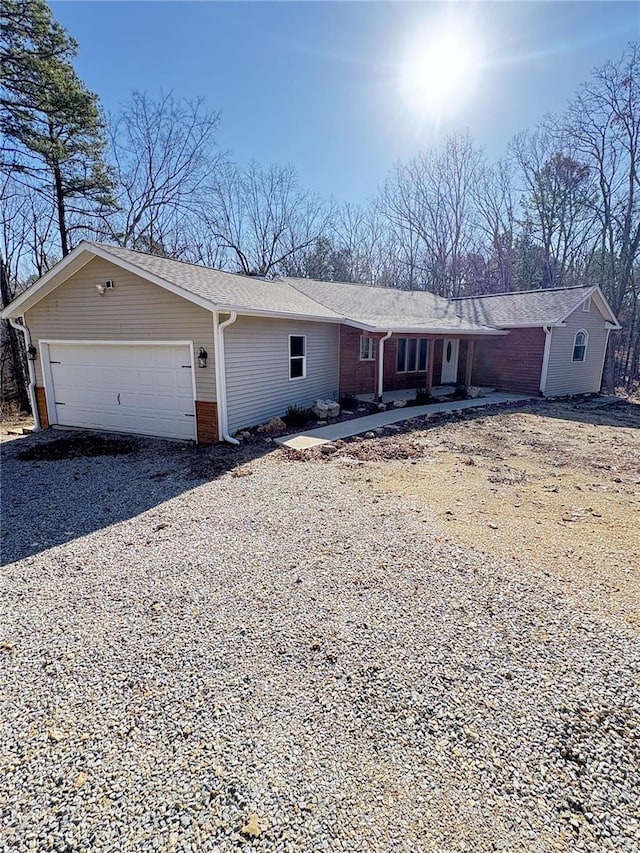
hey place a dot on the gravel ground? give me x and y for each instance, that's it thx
(275, 660)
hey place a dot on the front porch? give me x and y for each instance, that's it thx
(374, 366)
(438, 392)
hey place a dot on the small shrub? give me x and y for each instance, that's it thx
(297, 416)
(460, 393)
(349, 402)
(423, 396)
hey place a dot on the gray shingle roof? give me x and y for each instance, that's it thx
(380, 308)
(225, 289)
(386, 308)
(527, 307)
(376, 308)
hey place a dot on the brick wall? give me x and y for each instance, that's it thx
(356, 377)
(207, 422)
(436, 349)
(394, 381)
(41, 401)
(510, 363)
(361, 377)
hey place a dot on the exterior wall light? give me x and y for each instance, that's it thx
(32, 353)
(103, 286)
(203, 355)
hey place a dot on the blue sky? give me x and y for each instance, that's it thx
(316, 84)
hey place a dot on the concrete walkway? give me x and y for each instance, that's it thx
(345, 429)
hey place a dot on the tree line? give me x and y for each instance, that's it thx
(559, 208)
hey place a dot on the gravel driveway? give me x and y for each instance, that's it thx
(278, 659)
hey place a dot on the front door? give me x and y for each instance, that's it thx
(449, 361)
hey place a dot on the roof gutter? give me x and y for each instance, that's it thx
(31, 390)
(381, 365)
(221, 378)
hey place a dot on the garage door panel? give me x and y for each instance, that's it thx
(136, 356)
(140, 389)
(132, 422)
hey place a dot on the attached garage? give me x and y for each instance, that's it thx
(123, 341)
(132, 387)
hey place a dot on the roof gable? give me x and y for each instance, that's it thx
(214, 290)
(530, 308)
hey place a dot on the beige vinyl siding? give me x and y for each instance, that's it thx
(135, 310)
(565, 376)
(257, 368)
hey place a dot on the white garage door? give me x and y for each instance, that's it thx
(146, 389)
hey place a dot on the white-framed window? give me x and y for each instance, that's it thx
(580, 345)
(586, 305)
(297, 356)
(367, 348)
(413, 355)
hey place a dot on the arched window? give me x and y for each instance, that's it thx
(580, 345)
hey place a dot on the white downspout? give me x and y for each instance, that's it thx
(545, 358)
(221, 379)
(381, 365)
(604, 358)
(31, 390)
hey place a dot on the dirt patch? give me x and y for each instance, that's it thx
(76, 446)
(555, 484)
(13, 422)
(542, 487)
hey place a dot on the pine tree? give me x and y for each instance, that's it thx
(53, 128)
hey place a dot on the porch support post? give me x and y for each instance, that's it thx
(469, 365)
(381, 365)
(430, 358)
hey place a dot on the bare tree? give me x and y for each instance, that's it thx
(557, 201)
(430, 209)
(16, 267)
(493, 196)
(265, 219)
(165, 159)
(603, 123)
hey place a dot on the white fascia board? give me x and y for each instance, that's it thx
(64, 269)
(607, 307)
(365, 327)
(597, 292)
(86, 251)
(530, 325)
(612, 327)
(421, 330)
(452, 333)
(276, 315)
(80, 257)
(447, 333)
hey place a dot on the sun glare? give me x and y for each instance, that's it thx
(439, 73)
